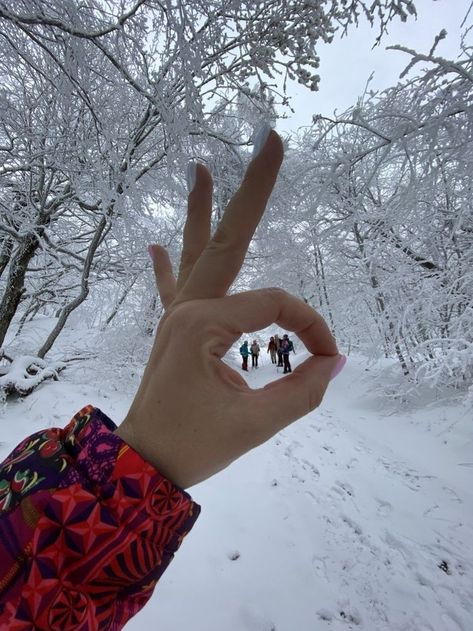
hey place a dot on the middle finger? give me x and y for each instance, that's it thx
(216, 269)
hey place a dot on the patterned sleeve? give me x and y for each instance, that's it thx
(87, 527)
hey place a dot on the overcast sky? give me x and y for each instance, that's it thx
(346, 64)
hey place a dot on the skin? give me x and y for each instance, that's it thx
(193, 414)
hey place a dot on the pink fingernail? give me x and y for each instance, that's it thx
(151, 252)
(342, 360)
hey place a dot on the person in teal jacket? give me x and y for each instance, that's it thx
(244, 352)
(92, 514)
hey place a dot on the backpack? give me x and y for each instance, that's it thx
(287, 346)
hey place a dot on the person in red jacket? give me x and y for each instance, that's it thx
(91, 515)
(272, 350)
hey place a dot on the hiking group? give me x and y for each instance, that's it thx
(278, 349)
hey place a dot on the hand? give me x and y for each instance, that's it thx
(190, 418)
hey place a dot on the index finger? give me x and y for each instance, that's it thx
(223, 257)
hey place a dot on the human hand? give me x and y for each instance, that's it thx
(190, 418)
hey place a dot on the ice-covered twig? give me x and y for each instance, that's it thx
(446, 65)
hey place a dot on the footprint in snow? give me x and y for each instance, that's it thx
(356, 528)
(343, 488)
(343, 615)
(351, 617)
(384, 508)
(328, 448)
(295, 444)
(313, 496)
(320, 567)
(451, 622)
(308, 465)
(411, 477)
(351, 463)
(325, 615)
(454, 496)
(296, 476)
(413, 483)
(362, 449)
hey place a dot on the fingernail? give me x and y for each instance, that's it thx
(260, 137)
(337, 369)
(191, 175)
(151, 252)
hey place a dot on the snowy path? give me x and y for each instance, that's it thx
(346, 520)
(349, 519)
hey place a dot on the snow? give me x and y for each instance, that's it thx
(25, 373)
(356, 517)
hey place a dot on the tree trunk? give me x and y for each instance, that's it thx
(393, 336)
(84, 292)
(324, 287)
(30, 309)
(5, 254)
(15, 282)
(119, 303)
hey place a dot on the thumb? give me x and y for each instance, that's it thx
(285, 400)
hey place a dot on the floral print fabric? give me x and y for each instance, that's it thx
(87, 527)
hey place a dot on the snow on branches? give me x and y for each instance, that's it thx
(103, 103)
(25, 373)
(382, 207)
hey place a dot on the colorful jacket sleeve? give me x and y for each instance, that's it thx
(87, 527)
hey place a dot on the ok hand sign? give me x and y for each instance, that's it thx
(193, 414)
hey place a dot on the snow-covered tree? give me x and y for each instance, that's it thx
(103, 102)
(382, 209)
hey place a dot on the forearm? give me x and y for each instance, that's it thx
(86, 527)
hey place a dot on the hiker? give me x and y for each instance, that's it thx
(272, 350)
(287, 346)
(255, 350)
(92, 514)
(244, 352)
(278, 342)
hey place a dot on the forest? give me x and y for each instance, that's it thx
(103, 104)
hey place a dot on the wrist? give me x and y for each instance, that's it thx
(147, 451)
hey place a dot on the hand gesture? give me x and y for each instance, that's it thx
(190, 415)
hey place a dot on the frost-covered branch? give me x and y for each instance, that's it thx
(42, 19)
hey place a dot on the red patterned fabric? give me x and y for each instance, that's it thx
(87, 527)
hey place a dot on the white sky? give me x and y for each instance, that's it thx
(346, 64)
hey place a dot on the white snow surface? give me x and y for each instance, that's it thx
(355, 517)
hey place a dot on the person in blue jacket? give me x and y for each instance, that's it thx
(287, 346)
(244, 352)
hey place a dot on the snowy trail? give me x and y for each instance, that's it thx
(349, 519)
(352, 518)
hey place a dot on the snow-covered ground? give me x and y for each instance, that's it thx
(356, 517)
